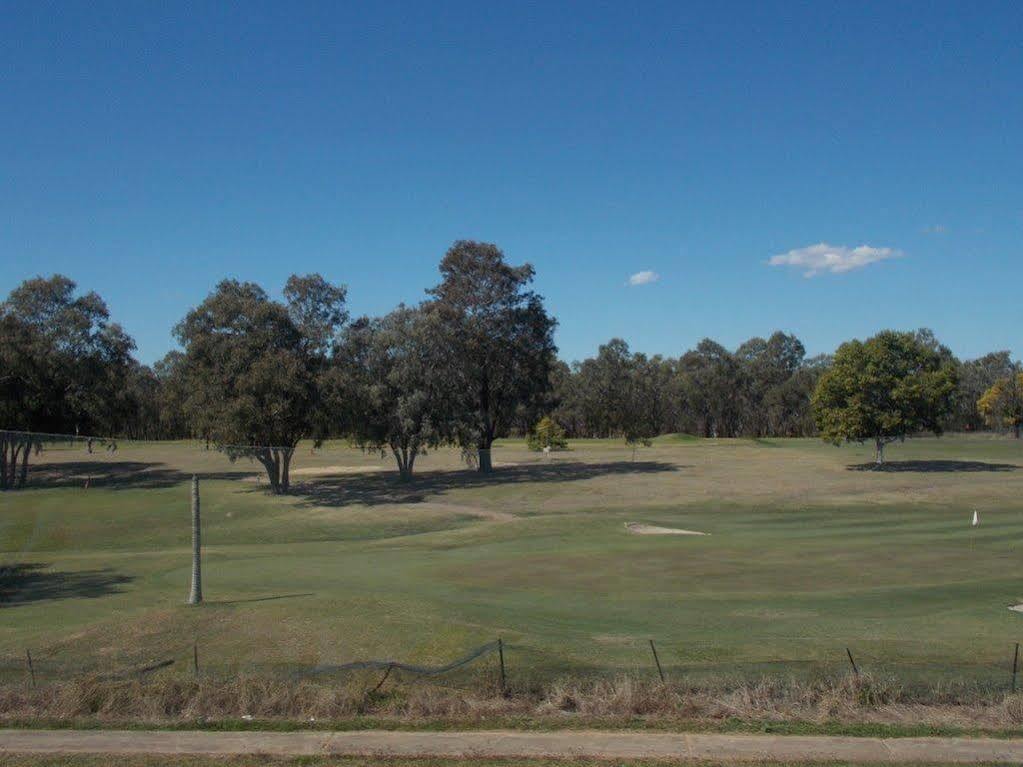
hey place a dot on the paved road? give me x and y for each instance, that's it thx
(605, 744)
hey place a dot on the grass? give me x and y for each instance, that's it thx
(69, 760)
(808, 554)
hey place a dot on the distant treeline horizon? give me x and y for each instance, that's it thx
(475, 361)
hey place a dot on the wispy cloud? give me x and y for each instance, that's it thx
(643, 278)
(836, 259)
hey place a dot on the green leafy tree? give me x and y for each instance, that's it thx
(1002, 404)
(768, 369)
(884, 389)
(64, 368)
(253, 370)
(976, 378)
(397, 394)
(547, 433)
(499, 342)
(712, 385)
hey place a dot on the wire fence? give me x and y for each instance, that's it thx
(66, 461)
(511, 664)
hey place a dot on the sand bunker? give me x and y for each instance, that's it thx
(324, 471)
(1017, 608)
(640, 529)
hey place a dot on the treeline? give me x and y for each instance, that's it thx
(474, 361)
(761, 389)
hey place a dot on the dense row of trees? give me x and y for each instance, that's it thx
(761, 389)
(476, 360)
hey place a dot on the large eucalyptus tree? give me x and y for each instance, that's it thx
(391, 373)
(499, 342)
(254, 365)
(64, 368)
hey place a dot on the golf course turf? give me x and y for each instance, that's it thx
(810, 551)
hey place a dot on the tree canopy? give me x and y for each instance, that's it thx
(394, 388)
(63, 366)
(499, 339)
(1002, 404)
(886, 388)
(252, 367)
(475, 361)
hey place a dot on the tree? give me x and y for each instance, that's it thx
(768, 368)
(639, 413)
(547, 434)
(254, 369)
(499, 341)
(1002, 404)
(171, 373)
(604, 384)
(64, 367)
(392, 373)
(317, 309)
(976, 377)
(711, 388)
(884, 389)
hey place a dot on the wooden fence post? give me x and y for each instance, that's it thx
(195, 595)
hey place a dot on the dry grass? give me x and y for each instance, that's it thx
(622, 699)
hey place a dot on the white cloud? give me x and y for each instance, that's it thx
(643, 278)
(835, 259)
(936, 229)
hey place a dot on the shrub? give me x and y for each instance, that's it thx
(547, 433)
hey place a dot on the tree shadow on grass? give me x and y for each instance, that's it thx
(28, 582)
(373, 488)
(116, 475)
(934, 466)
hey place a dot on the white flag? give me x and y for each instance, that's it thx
(976, 519)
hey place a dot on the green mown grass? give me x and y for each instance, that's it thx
(807, 555)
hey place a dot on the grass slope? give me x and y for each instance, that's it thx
(809, 553)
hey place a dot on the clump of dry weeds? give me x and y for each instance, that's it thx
(171, 699)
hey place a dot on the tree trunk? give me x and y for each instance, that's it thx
(3, 464)
(195, 595)
(879, 451)
(1016, 430)
(486, 466)
(285, 469)
(11, 469)
(23, 477)
(405, 457)
(269, 461)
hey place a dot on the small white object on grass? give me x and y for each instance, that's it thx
(976, 518)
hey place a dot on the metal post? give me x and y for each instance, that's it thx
(848, 652)
(1015, 667)
(31, 668)
(657, 660)
(195, 658)
(500, 655)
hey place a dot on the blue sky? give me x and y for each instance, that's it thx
(150, 149)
